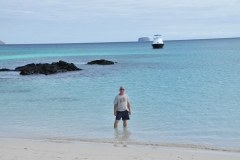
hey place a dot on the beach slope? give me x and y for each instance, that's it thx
(31, 149)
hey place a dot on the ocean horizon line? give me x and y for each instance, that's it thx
(118, 41)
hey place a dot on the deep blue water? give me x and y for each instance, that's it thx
(186, 94)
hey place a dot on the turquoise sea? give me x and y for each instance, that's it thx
(184, 95)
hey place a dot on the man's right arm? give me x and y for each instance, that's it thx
(115, 109)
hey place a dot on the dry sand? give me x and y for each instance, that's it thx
(11, 149)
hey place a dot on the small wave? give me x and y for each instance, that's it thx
(126, 143)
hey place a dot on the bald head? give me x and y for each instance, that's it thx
(121, 89)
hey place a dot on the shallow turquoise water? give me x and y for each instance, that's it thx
(186, 94)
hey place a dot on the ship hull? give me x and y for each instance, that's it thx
(157, 45)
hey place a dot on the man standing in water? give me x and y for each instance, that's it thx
(122, 108)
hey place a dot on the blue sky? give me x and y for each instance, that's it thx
(80, 21)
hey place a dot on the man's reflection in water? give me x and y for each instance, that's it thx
(122, 137)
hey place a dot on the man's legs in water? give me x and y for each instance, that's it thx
(124, 123)
(116, 123)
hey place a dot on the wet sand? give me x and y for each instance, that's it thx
(33, 149)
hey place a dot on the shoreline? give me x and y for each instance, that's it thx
(40, 149)
(126, 143)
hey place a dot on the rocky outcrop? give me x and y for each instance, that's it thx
(1, 42)
(55, 67)
(101, 62)
(46, 68)
(5, 69)
(143, 39)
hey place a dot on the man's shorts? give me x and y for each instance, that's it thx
(122, 114)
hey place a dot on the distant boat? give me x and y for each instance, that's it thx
(157, 41)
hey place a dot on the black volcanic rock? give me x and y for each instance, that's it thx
(46, 68)
(6, 69)
(101, 62)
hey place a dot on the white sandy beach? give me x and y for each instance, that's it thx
(31, 149)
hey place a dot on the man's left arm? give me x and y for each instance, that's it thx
(129, 107)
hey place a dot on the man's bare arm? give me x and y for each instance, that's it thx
(129, 108)
(115, 109)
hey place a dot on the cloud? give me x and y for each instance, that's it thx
(110, 9)
(172, 18)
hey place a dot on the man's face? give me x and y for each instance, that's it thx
(121, 90)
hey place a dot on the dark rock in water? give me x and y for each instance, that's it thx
(5, 69)
(101, 62)
(46, 68)
(143, 39)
